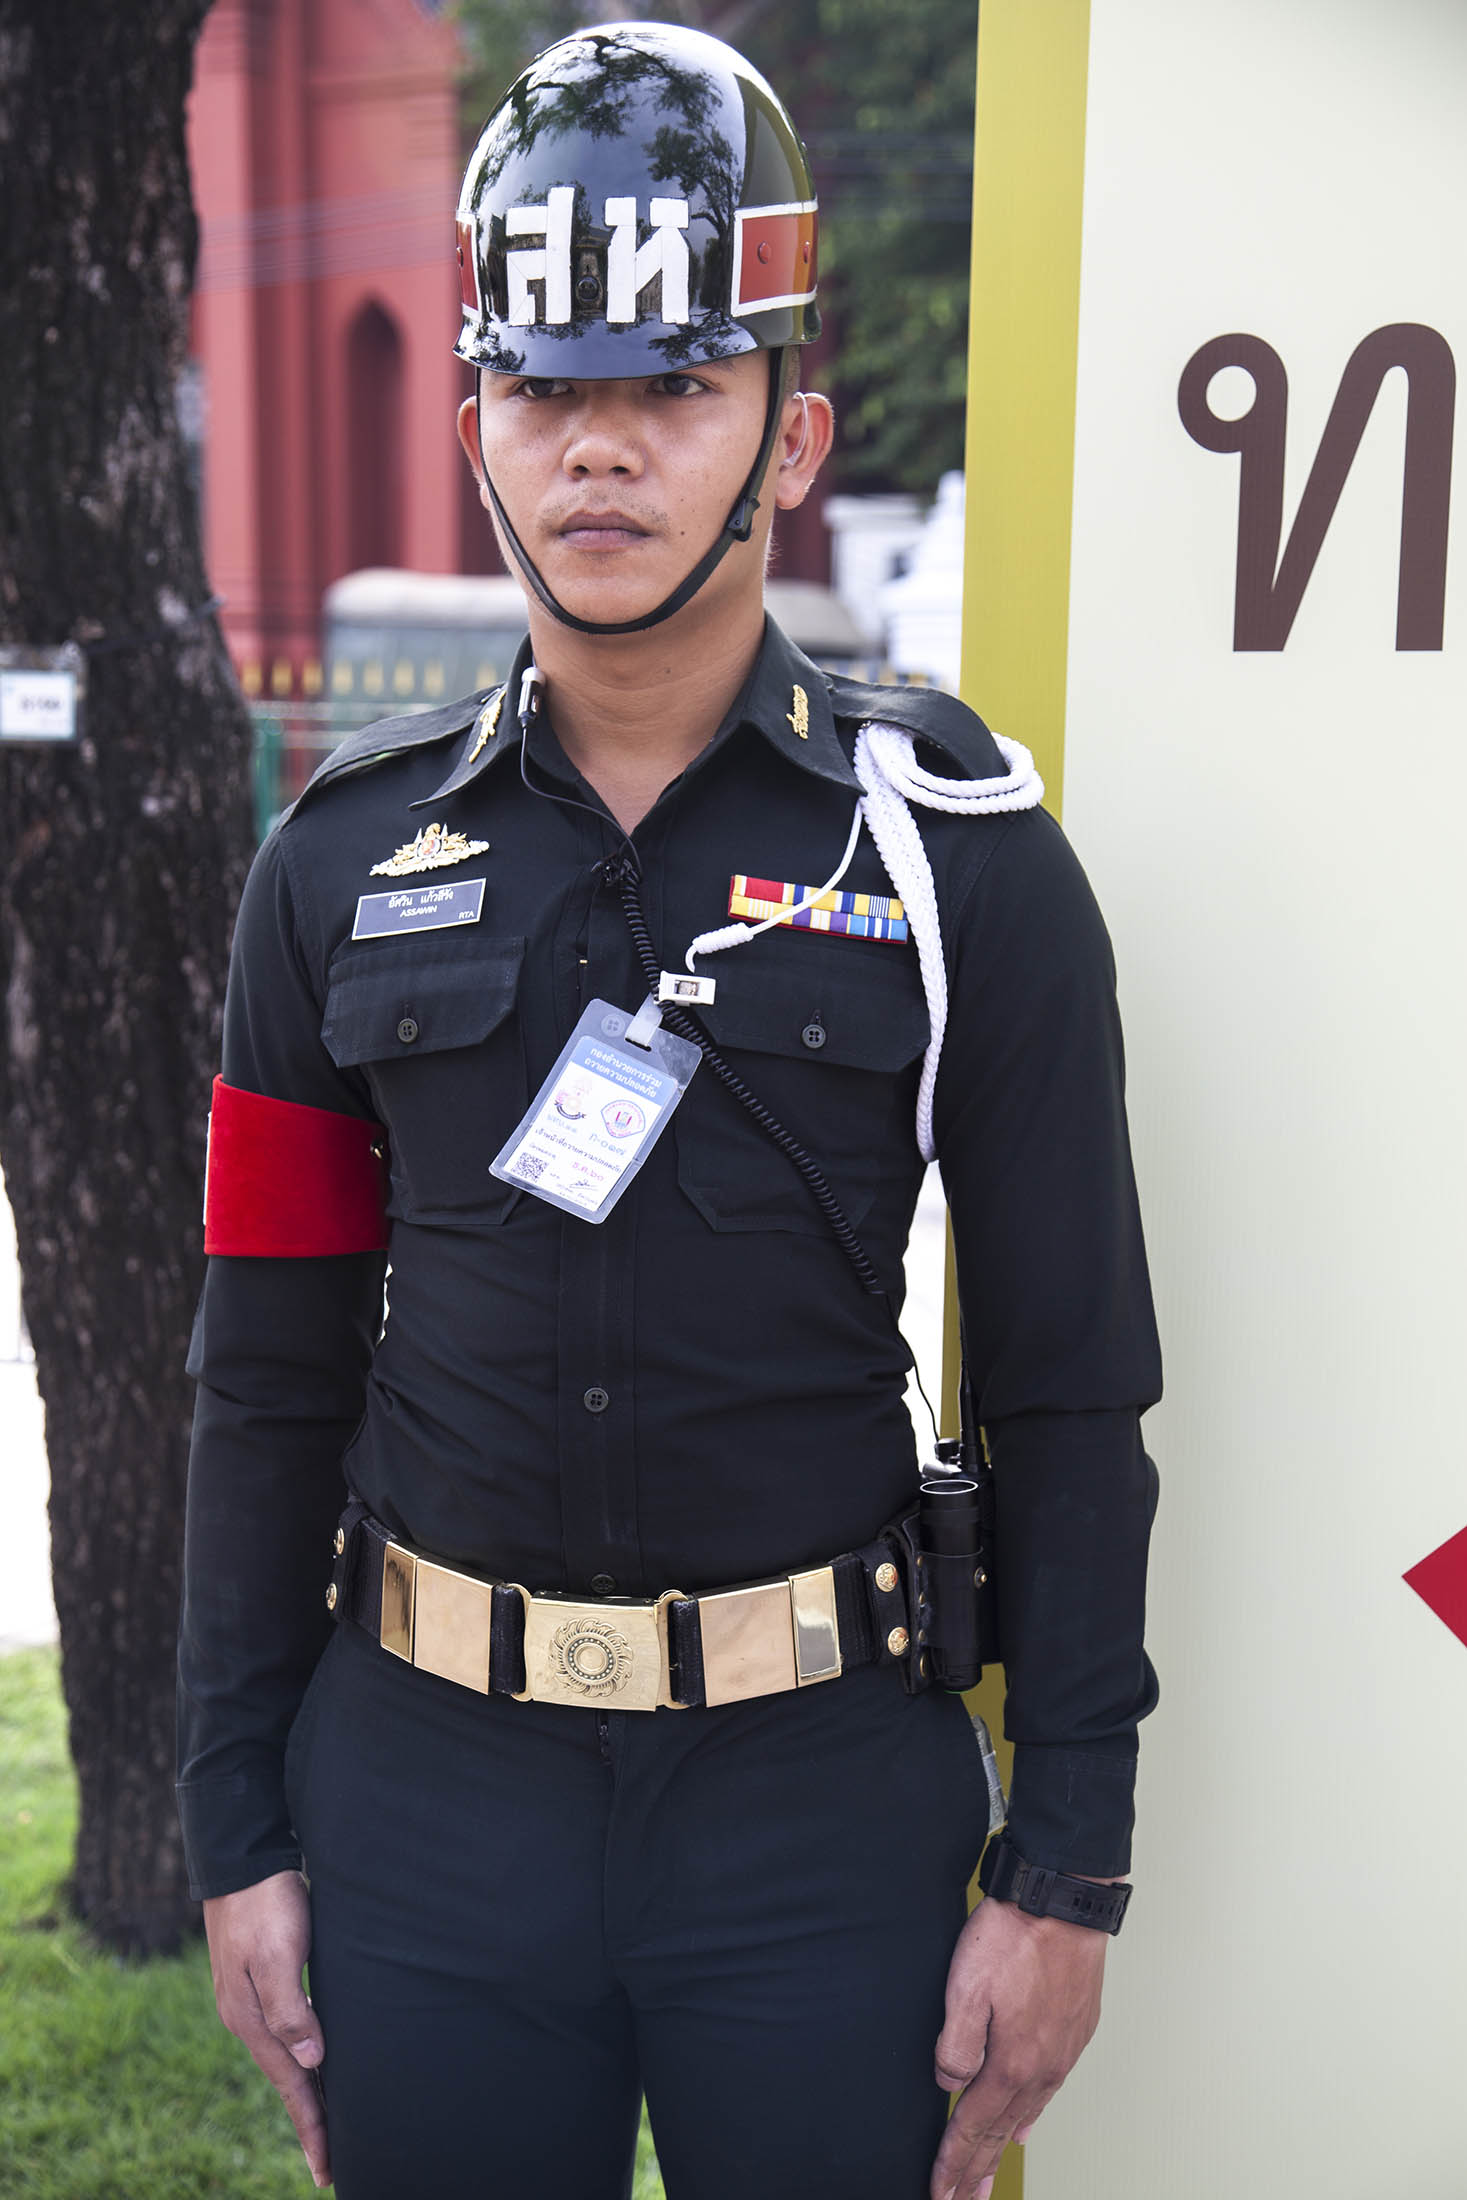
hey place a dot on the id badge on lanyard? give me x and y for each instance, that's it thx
(599, 1113)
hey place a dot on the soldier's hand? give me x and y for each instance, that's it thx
(1023, 1997)
(258, 1943)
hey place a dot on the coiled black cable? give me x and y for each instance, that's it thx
(622, 873)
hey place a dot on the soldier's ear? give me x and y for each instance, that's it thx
(806, 432)
(468, 435)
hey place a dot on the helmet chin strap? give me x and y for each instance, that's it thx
(736, 528)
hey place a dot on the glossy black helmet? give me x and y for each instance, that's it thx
(638, 201)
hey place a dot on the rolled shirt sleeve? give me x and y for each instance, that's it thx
(1059, 1332)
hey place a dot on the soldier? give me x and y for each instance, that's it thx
(567, 1625)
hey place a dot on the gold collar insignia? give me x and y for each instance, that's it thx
(433, 849)
(799, 717)
(488, 727)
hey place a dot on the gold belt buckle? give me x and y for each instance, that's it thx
(612, 1652)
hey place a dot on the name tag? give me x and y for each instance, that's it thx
(600, 1111)
(418, 909)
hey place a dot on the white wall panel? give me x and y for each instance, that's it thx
(1277, 841)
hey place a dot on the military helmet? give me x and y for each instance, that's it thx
(637, 202)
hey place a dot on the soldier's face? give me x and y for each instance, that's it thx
(616, 488)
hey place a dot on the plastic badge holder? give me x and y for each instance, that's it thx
(599, 1113)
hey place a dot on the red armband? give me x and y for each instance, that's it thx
(288, 1181)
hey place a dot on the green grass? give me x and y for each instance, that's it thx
(117, 2081)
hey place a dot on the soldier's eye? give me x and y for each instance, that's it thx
(542, 385)
(678, 385)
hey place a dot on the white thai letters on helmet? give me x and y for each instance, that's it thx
(663, 259)
(551, 265)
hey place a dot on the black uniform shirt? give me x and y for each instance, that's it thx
(697, 1391)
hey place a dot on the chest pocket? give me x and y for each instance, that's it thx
(431, 1022)
(829, 1034)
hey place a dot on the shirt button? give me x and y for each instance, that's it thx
(814, 1034)
(407, 1030)
(596, 1400)
(603, 1585)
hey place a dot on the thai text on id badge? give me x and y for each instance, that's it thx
(599, 1113)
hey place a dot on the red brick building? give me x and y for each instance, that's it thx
(326, 157)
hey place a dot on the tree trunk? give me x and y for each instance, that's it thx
(121, 861)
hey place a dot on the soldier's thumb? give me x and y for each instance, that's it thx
(294, 2023)
(954, 2071)
(961, 2050)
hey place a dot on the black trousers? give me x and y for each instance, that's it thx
(526, 1916)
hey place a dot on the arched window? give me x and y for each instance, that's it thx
(374, 424)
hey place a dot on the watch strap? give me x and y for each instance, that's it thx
(1008, 1877)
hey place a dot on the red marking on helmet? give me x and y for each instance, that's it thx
(468, 267)
(776, 257)
(1440, 1580)
(286, 1181)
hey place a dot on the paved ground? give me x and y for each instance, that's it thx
(26, 1611)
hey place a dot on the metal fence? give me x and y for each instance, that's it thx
(291, 737)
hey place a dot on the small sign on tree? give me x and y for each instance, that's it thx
(42, 692)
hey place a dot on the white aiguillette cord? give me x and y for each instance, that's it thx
(887, 768)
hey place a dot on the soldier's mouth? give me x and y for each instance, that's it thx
(601, 530)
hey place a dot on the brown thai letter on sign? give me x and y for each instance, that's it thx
(1269, 589)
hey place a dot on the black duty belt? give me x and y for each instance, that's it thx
(629, 1654)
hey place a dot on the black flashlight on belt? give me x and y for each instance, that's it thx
(950, 1520)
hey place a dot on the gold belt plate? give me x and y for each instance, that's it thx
(611, 1653)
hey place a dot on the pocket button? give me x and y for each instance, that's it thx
(814, 1034)
(407, 1030)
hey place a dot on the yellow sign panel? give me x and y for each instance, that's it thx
(1028, 181)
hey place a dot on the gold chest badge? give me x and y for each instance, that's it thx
(433, 849)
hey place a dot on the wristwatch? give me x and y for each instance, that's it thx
(1007, 1877)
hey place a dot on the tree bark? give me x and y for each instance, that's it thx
(121, 862)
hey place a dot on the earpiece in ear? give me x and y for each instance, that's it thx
(799, 450)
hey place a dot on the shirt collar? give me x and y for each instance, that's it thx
(494, 733)
(786, 698)
(789, 701)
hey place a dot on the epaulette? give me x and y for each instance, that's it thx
(928, 712)
(388, 737)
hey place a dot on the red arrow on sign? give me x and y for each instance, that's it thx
(1440, 1580)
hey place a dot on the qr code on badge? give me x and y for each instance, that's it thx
(530, 1165)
